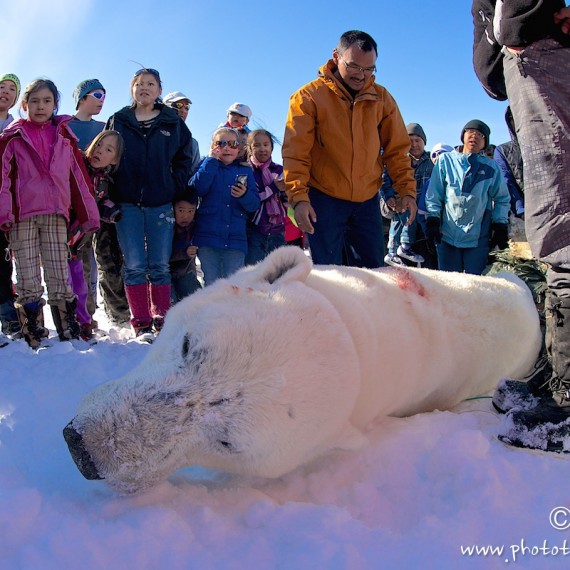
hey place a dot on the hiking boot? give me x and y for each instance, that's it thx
(546, 427)
(10, 323)
(66, 325)
(407, 253)
(524, 394)
(31, 318)
(393, 260)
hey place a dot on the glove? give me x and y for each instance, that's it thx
(519, 208)
(499, 236)
(433, 230)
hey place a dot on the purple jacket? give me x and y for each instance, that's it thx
(28, 187)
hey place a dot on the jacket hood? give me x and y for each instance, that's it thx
(167, 114)
(16, 126)
(327, 72)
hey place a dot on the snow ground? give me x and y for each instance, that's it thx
(422, 489)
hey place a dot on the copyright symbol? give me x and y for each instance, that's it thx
(560, 518)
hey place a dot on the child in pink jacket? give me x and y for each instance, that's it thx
(42, 176)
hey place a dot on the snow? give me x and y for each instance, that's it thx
(419, 491)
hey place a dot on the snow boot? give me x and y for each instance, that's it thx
(141, 319)
(547, 425)
(525, 393)
(10, 323)
(66, 325)
(159, 304)
(31, 318)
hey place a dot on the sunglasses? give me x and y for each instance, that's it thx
(147, 70)
(98, 95)
(224, 144)
(180, 105)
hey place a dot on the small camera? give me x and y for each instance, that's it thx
(241, 179)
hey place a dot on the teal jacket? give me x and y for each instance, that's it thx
(465, 189)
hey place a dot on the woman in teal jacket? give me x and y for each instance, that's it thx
(468, 202)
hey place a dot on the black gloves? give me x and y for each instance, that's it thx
(433, 230)
(499, 236)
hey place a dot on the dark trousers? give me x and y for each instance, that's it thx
(344, 225)
(110, 265)
(6, 268)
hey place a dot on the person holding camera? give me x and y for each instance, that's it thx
(228, 195)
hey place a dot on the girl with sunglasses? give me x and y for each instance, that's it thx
(155, 165)
(229, 194)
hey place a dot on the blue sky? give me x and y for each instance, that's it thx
(254, 52)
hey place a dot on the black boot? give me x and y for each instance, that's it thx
(66, 324)
(31, 318)
(547, 425)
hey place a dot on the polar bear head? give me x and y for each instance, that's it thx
(243, 377)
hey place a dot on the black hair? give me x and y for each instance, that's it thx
(362, 40)
(187, 195)
(38, 84)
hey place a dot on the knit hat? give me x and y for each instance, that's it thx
(438, 149)
(14, 79)
(416, 129)
(478, 126)
(175, 96)
(86, 87)
(240, 109)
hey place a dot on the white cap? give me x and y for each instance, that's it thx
(240, 109)
(438, 149)
(175, 96)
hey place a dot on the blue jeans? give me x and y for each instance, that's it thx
(400, 233)
(462, 259)
(219, 263)
(183, 285)
(260, 246)
(145, 236)
(340, 223)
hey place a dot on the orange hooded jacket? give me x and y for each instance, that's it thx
(332, 141)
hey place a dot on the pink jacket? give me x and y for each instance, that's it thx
(28, 187)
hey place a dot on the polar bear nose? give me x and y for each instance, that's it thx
(79, 453)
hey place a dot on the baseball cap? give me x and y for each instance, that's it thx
(240, 109)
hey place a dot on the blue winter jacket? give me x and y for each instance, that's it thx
(221, 218)
(464, 190)
(155, 163)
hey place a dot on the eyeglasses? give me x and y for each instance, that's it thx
(354, 67)
(147, 70)
(479, 134)
(98, 95)
(224, 144)
(180, 105)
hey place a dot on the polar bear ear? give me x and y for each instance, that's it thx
(283, 265)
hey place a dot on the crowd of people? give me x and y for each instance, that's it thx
(122, 208)
(131, 206)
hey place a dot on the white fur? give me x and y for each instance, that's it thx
(264, 371)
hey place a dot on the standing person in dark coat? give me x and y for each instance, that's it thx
(155, 165)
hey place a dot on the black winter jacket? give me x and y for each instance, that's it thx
(520, 23)
(156, 163)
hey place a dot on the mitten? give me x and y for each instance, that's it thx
(433, 230)
(499, 236)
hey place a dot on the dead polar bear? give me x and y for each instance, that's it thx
(283, 361)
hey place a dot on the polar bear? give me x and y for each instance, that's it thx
(282, 362)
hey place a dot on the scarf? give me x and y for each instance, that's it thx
(270, 201)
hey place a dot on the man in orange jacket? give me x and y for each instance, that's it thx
(342, 128)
